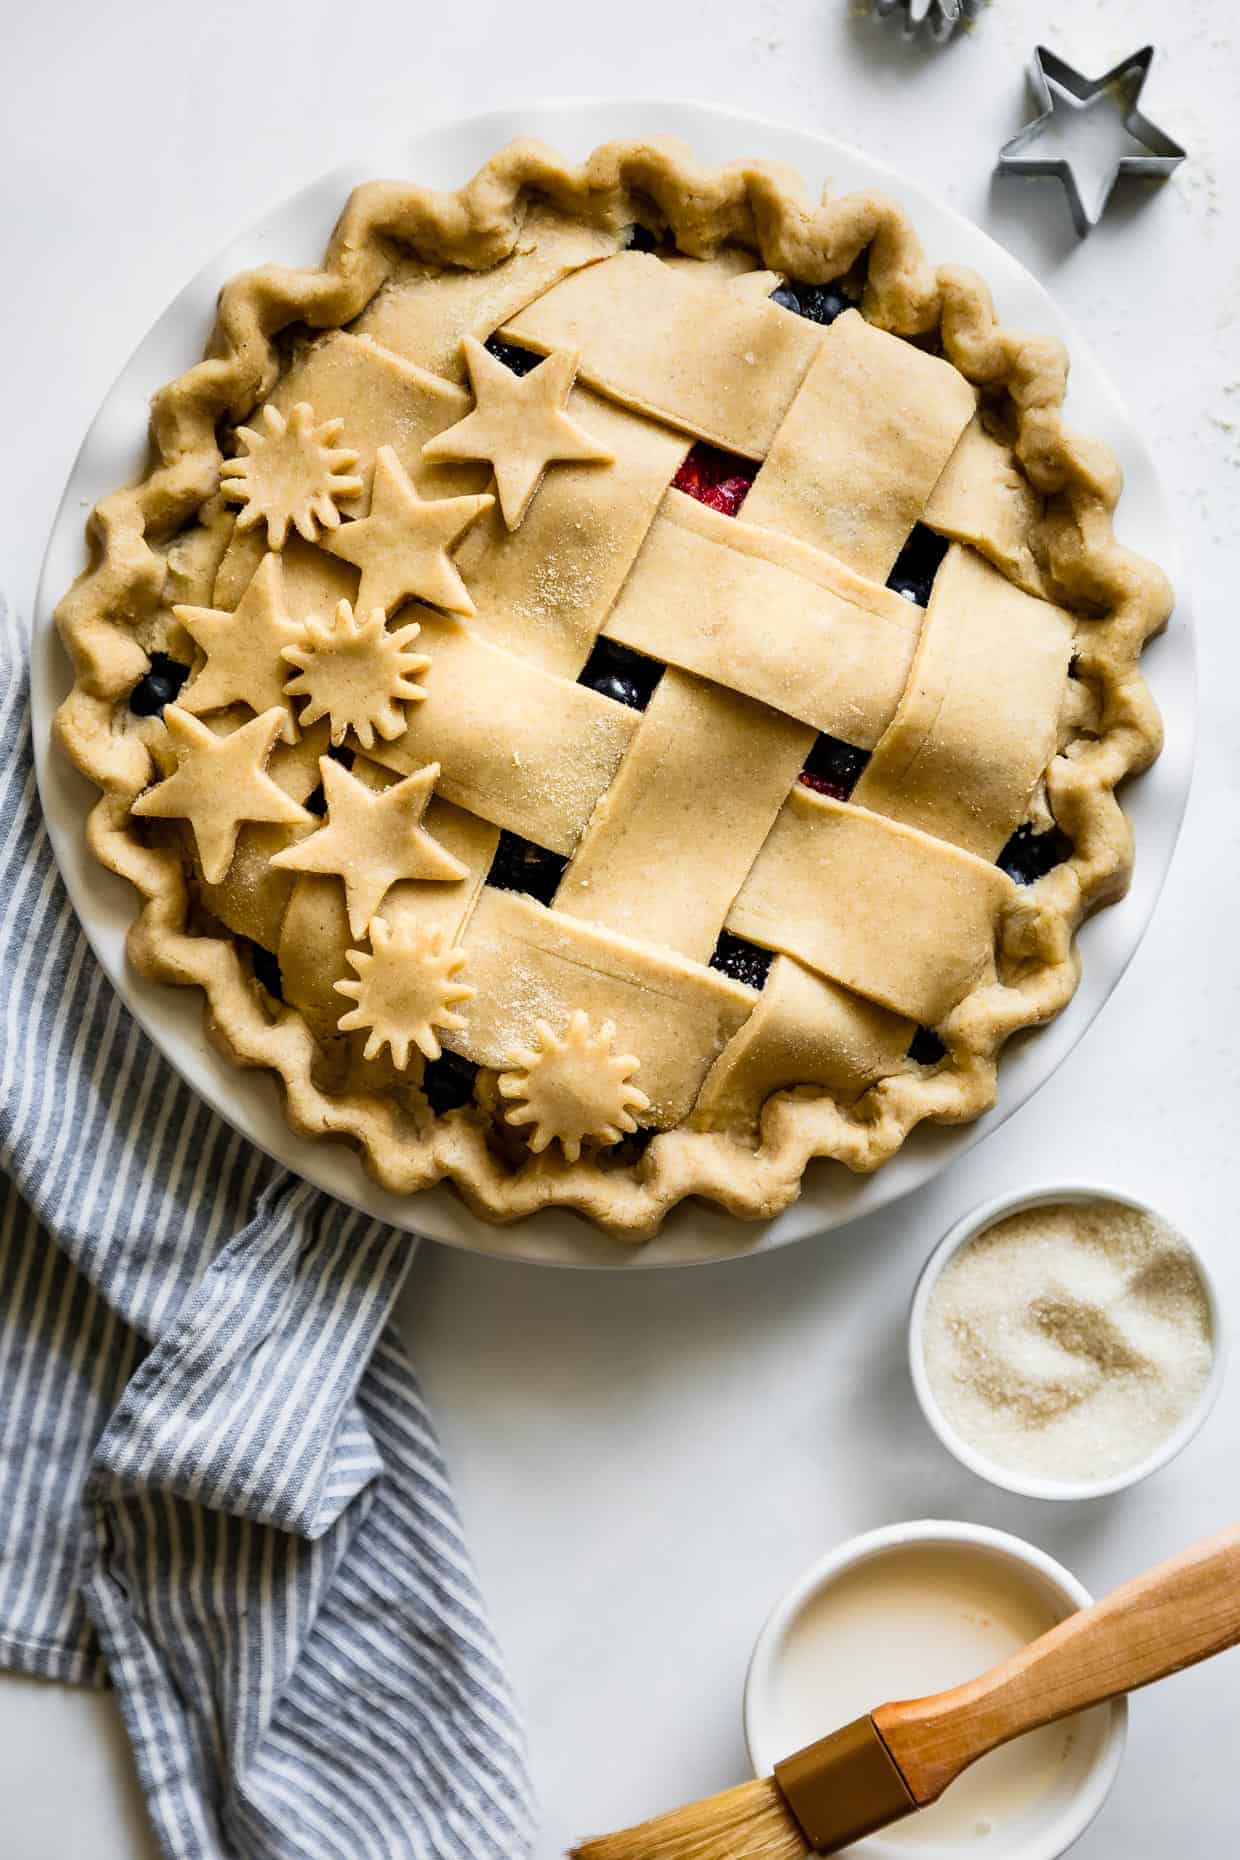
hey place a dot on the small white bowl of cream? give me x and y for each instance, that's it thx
(1066, 1342)
(914, 1609)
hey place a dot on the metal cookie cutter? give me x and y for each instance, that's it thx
(1061, 90)
(939, 17)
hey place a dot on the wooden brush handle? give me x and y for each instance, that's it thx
(1181, 1612)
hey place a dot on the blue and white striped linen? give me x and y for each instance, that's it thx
(219, 1487)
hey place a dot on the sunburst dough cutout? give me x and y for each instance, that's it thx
(405, 992)
(572, 1088)
(357, 674)
(293, 472)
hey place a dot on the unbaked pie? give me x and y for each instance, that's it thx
(615, 686)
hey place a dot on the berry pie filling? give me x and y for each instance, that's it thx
(267, 970)
(917, 564)
(448, 1082)
(1030, 855)
(927, 1049)
(520, 361)
(720, 480)
(821, 303)
(640, 239)
(833, 767)
(618, 672)
(744, 962)
(159, 685)
(519, 865)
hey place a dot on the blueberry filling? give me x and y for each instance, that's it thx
(267, 970)
(833, 767)
(718, 479)
(927, 1048)
(641, 239)
(521, 361)
(316, 802)
(448, 1082)
(158, 687)
(341, 753)
(616, 672)
(821, 303)
(1029, 856)
(519, 865)
(631, 1147)
(917, 564)
(743, 961)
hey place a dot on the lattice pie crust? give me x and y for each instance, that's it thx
(386, 550)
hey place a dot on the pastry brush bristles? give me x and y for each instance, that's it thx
(751, 1822)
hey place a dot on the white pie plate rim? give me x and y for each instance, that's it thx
(296, 232)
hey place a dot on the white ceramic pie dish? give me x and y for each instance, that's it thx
(113, 451)
(1027, 1485)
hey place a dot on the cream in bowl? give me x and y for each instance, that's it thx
(1067, 1343)
(914, 1609)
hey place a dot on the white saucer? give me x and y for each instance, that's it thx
(113, 453)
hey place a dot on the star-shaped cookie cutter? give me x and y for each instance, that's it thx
(1058, 85)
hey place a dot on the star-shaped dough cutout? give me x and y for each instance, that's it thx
(219, 782)
(519, 424)
(243, 649)
(402, 546)
(372, 839)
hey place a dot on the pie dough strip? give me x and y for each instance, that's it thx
(865, 439)
(671, 841)
(527, 751)
(383, 400)
(423, 310)
(528, 963)
(984, 498)
(978, 722)
(314, 583)
(544, 589)
(805, 1030)
(432, 905)
(770, 617)
(666, 344)
(253, 895)
(311, 954)
(723, 266)
(903, 919)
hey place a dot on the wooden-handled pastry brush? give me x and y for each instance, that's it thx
(902, 1757)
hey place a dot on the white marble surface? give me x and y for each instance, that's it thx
(645, 1462)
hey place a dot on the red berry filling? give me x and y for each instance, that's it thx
(832, 767)
(825, 784)
(717, 479)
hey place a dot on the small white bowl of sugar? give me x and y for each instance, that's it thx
(1066, 1342)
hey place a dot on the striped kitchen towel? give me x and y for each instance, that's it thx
(219, 1487)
